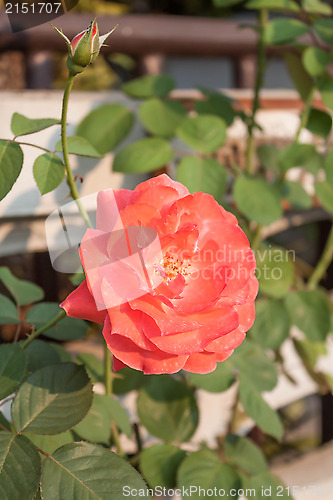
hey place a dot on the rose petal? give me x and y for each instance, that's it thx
(226, 342)
(204, 362)
(81, 304)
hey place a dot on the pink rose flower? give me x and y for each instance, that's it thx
(194, 295)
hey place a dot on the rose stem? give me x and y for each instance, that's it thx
(70, 177)
(323, 263)
(34, 335)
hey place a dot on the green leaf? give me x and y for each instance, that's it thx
(226, 3)
(268, 157)
(93, 366)
(272, 325)
(8, 311)
(105, 127)
(243, 453)
(167, 408)
(295, 193)
(95, 427)
(11, 162)
(49, 172)
(89, 472)
(50, 444)
(19, 467)
(284, 30)
(257, 408)
(217, 381)
(250, 354)
(310, 351)
(319, 122)
(329, 167)
(79, 146)
(288, 5)
(204, 133)
(258, 200)
(142, 156)
(324, 29)
(317, 7)
(266, 485)
(22, 291)
(12, 368)
(159, 464)
(21, 125)
(216, 104)
(205, 469)
(300, 77)
(275, 271)
(53, 399)
(66, 329)
(161, 117)
(325, 87)
(203, 174)
(149, 86)
(300, 155)
(128, 380)
(64, 355)
(40, 354)
(315, 60)
(310, 312)
(324, 192)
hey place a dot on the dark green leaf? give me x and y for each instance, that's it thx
(243, 453)
(79, 146)
(49, 172)
(226, 3)
(315, 60)
(266, 485)
(284, 30)
(325, 87)
(95, 427)
(12, 368)
(203, 174)
(144, 155)
(216, 104)
(329, 167)
(204, 133)
(300, 77)
(324, 192)
(258, 200)
(11, 162)
(89, 472)
(268, 157)
(8, 311)
(257, 408)
(310, 312)
(23, 292)
(167, 408)
(275, 271)
(93, 365)
(295, 193)
(319, 122)
(250, 354)
(288, 5)
(159, 464)
(105, 127)
(19, 467)
(217, 381)
(64, 355)
(65, 329)
(317, 7)
(161, 117)
(205, 469)
(324, 29)
(272, 324)
(128, 380)
(50, 444)
(300, 155)
(40, 354)
(21, 125)
(53, 399)
(149, 86)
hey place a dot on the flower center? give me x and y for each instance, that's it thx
(171, 266)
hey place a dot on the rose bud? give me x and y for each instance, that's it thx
(84, 48)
